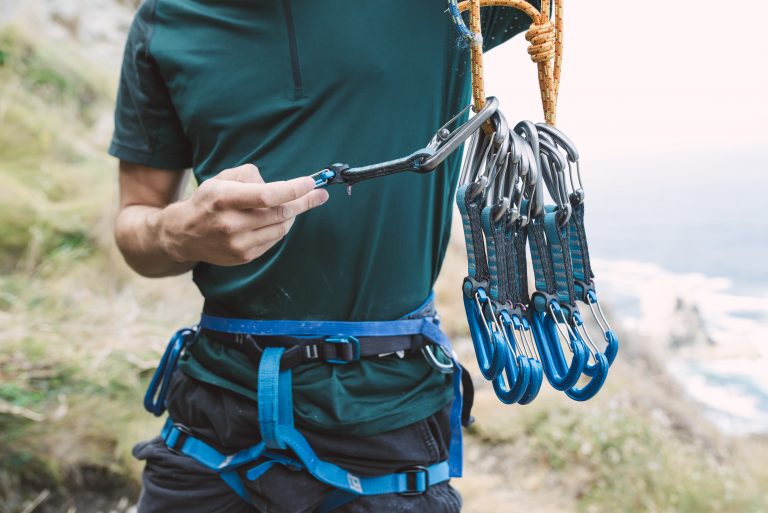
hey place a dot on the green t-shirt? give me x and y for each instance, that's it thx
(293, 86)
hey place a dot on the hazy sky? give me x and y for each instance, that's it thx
(650, 77)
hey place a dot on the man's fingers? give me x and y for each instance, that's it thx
(247, 173)
(272, 194)
(286, 211)
(266, 236)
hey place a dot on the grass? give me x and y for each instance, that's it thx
(636, 450)
(50, 189)
(70, 380)
(80, 334)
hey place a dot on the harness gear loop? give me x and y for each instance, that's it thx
(544, 36)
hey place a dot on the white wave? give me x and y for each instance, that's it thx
(728, 377)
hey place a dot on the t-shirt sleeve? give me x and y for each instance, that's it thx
(147, 129)
(500, 24)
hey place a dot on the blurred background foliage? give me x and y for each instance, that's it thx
(80, 335)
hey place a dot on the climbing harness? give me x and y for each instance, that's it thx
(519, 337)
(276, 347)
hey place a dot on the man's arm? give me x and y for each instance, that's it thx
(232, 219)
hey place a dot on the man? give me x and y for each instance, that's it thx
(251, 95)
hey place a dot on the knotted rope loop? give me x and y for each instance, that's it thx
(541, 37)
(545, 38)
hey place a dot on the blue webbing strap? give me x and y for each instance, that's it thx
(425, 326)
(557, 241)
(497, 254)
(268, 404)
(512, 261)
(280, 396)
(520, 242)
(204, 454)
(541, 260)
(456, 448)
(458, 22)
(582, 267)
(469, 209)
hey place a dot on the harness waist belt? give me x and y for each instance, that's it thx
(330, 349)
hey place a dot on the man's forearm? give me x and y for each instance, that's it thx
(231, 219)
(138, 232)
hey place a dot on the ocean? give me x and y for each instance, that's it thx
(690, 233)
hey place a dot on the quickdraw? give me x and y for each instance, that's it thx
(507, 173)
(443, 144)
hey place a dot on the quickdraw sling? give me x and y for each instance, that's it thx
(501, 199)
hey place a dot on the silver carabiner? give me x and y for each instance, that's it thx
(434, 362)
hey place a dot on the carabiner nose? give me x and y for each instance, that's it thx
(599, 374)
(549, 336)
(517, 371)
(490, 348)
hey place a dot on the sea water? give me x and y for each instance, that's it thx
(693, 229)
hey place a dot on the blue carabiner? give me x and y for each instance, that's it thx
(530, 367)
(517, 371)
(489, 346)
(599, 375)
(546, 327)
(522, 326)
(534, 386)
(598, 371)
(154, 398)
(517, 368)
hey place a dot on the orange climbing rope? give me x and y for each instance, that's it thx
(546, 48)
(476, 52)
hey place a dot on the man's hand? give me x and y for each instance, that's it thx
(232, 219)
(235, 217)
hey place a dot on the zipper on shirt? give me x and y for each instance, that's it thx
(293, 48)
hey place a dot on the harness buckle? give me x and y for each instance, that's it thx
(412, 477)
(178, 443)
(345, 340)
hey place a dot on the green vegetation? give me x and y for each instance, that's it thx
(68, 400)
(51, 193)
(79, 336)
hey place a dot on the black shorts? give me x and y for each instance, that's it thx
(177, 484)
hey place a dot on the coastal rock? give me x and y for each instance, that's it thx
(687, 327)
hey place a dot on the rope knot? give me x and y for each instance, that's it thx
(541, 36)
